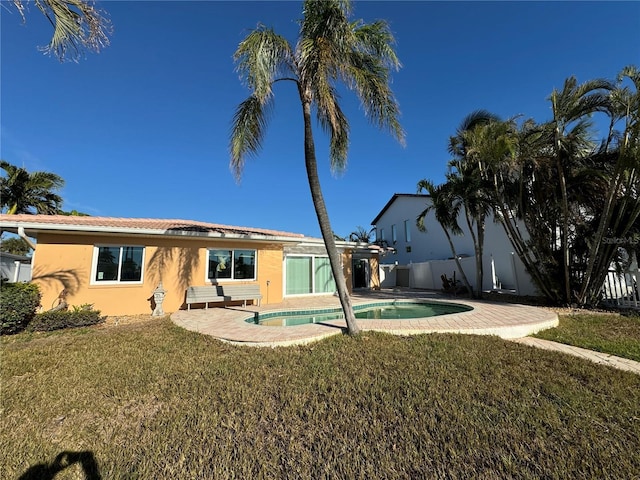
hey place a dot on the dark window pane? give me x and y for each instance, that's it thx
(131, 264)
(220, 264)
(108, 258)
(244, 264)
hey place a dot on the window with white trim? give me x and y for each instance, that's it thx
(117, 264)
(407, 231)
(231, 264)
(394, 234)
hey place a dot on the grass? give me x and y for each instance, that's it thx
(151, 400)
(607, 332)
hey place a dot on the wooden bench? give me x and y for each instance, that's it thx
(222, 293)
(242, 292)
(206, 295)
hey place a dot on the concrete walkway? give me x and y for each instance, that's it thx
(508, 321)
(596, 357)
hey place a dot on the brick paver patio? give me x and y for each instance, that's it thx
(508, 321)
(487, 318)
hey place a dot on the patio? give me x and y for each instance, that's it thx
(487, 318)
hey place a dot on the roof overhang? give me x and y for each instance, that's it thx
(392, 200)
(33, 229)
(32, 226)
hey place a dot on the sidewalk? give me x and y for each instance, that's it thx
(597, 357)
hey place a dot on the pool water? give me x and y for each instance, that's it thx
(383, 311)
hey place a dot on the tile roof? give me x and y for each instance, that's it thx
(133, 224)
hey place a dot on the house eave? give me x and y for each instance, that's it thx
(33, 229)
(392, 200)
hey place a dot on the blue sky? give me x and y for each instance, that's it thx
(141, 129)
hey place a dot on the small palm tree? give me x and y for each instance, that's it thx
(446, 205)
(24, 192)
(361, 234)
(77, 26)
(330, 49)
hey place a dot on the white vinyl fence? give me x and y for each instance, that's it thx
(13, 270)
(505, 273)
(621, 289)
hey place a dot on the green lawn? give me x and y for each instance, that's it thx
(153, 401)
(609, 333)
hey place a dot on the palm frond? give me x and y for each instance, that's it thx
(376, 39)
(370, 78)
(247, 131)
(261, 58)
(457, 146)
(78, 26)
(325, 24)
(24, 192)
(444, 204)
(337, 125)
(577, 100)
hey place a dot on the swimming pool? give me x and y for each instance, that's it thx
(372, 311)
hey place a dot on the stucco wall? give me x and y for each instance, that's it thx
(64, 261)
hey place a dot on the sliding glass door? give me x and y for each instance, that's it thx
(308, 274)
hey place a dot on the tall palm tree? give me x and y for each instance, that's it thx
(570, 126)
(467, 179)
(621, 207)
(467, 183)
(330, 49)
(512, 185)
(78, 26)
(24, 192)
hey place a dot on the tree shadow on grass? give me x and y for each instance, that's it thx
(48, 471)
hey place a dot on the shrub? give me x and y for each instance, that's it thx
(18, 305)
(82, 316)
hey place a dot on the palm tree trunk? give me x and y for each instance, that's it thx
(323, 219)
(523, 250)
(599, 262)
(605, 222)
(465, 280)
(480, 257)
(478, 240)
(564, 239)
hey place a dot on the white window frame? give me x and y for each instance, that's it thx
(94, 265)
(313, 277)
(394, 234)
(407, 231)
(232, 279)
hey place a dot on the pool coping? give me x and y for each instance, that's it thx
(228, 324)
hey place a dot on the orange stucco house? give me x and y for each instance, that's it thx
(115, 264)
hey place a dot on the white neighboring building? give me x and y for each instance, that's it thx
(420, 258)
